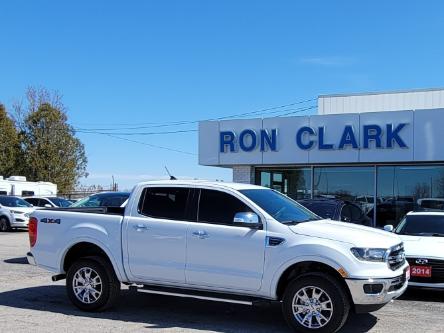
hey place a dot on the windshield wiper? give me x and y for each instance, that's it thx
(294, 222)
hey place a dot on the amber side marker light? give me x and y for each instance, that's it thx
(342, 272)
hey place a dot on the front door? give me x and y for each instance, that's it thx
(156, 236)
(219, 253)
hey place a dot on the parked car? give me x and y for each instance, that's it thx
(47, 202)
(423, 237)
(103, 199)
(431, 203)
(19, 210)
(6, 218)
(237, 243)
(338, 210)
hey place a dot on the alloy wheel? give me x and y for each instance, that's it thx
(87, 285)
(312, 307)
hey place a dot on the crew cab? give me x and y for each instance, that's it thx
(219, 241)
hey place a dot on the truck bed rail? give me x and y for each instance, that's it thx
(91, 210)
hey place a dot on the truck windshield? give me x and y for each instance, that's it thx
(279, 206)
(422, 225)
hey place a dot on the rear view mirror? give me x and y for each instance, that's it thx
(389, 228)
(247, 219)
(47, 206)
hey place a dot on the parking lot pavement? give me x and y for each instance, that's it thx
(30, 301)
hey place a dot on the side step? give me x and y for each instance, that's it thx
(197, 294)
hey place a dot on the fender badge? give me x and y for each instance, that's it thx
(50, 221)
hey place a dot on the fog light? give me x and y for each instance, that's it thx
(373, 289)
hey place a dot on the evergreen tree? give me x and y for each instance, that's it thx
(9, 144)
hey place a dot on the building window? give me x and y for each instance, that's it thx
(355, 184)
(296, 183)
(405, 188)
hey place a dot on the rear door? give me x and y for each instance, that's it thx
(219, 253)
(156, 235)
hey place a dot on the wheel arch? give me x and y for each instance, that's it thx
(307, 266)
(87, 248)
(6, 217)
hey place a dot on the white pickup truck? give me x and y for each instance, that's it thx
(218, 241)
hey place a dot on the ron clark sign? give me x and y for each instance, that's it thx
(307, 138)
(371, 137)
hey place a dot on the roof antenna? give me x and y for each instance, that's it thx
(169, 174)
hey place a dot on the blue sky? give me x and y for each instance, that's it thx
(138, 62)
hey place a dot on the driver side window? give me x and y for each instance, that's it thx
(218, 207)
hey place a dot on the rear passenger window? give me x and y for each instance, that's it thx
(164, 202)
(219, 207)
(33, 201)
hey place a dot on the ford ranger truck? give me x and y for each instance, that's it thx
(218, 241)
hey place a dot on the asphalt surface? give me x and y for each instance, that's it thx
(29, 301)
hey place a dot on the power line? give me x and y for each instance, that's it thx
(146, 144)
(187, 122)
(135, 133)
(98, 130)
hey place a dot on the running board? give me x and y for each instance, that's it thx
(202, 295)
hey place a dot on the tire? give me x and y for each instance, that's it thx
(4, 224)
(106, 290)
(329, 300)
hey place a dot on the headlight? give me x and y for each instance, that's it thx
(16, 212)
(367, 254)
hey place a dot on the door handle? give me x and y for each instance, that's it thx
(200, 234)
(140, 227)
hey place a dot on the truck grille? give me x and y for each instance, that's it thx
(396, 257)
(437, 270)
(397, 283)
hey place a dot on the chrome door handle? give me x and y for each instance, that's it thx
(140, 227)
(200, 234)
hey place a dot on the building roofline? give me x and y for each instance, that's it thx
(381, 92)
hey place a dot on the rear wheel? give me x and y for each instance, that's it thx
(315, 303)
(4, 224)
(92, 284)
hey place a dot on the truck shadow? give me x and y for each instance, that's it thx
(426, 295)
(19, 260)
(156, 312)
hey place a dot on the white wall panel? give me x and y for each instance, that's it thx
(396, 101)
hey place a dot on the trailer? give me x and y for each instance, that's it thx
(19, 186)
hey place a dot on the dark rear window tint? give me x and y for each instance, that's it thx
(164, 202)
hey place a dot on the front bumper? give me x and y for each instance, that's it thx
(20, 221)
(426, 285)
(31, 259)
(391, 288)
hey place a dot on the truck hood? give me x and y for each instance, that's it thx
(423, 247)
(356, 235)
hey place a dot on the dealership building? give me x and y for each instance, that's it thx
(383, 151)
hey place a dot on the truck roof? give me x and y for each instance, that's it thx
(220, 184)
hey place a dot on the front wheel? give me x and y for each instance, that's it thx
(4, 225)
(92, 285)
(315, 303)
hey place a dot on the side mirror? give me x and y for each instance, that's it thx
(389, 228)
(247, 219)
(47, 206)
